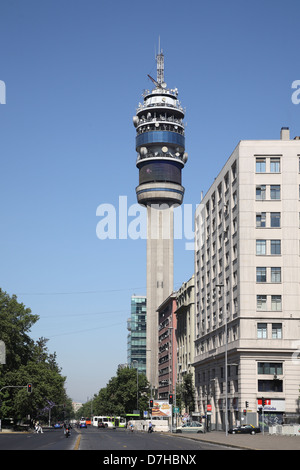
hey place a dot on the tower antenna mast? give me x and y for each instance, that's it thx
(160, 65)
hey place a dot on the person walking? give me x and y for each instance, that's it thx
(39, 428)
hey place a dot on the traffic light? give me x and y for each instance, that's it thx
(170, 399)
(151, 404)
(263, 402)
(247, 404)
(29, 388)
(244, 412)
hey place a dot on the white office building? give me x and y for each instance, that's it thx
(247, 275)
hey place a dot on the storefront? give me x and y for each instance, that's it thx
(273, 412)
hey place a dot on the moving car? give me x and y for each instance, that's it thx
(82, 423)
(192, 426)
(244, 429)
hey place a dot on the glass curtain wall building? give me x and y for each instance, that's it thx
(136, 339)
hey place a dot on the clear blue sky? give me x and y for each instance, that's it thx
(74, 72)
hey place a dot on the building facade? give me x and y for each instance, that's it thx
(167, 347)
(136, 338)
(247, 274)
(185, 332)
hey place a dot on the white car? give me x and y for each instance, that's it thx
(191, 426)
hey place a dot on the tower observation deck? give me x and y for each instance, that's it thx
(160, 143)
(161, 156)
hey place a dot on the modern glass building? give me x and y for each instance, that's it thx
(136, 339)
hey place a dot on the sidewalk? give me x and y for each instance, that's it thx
(246, 441)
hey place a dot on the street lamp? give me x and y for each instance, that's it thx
(226, 378)
(174, 359)
(137, 384)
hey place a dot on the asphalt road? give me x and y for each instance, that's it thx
(123, 439)
(51, 439)
(102, 440)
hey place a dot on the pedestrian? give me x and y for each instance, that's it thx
(150, 429)
(39, 428)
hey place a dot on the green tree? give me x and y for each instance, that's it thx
(15, 324)
(185, 393)
(26, 362)
(120, 395)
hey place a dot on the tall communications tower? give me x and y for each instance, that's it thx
(160, 146)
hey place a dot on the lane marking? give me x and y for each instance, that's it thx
(77, 443)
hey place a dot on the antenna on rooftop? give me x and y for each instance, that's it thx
(160, 64)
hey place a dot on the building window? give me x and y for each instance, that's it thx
(275, 219)
(233, 169)
(277, 332)
(261, 247)
(261, 274)
(275, 274)
(275, 247)
(275, 191)
(270, 386)
(260, 219)
(261, 330)
(275, 165)
(261, 302)
(260, 165)
(261, 192)
(276, 303)
(269, 368)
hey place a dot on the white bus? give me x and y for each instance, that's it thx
(109, 421)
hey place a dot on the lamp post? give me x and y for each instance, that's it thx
(174, 357)
(226, 378)
(137, 384)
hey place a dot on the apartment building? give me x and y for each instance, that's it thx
(167, 347)
(247, 274)
(185, 332)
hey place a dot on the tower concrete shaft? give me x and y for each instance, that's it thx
(160, 260)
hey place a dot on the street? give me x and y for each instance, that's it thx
(101, 439)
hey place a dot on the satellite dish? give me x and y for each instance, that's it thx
(165, 149)
(135, 120)
(164, 85)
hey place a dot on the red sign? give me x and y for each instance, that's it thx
(267, 402)
(209, 408)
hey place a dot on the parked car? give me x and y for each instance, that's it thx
(192, 426)
(244, 429)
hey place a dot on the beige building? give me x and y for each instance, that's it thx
(247, 274)
(185, 332)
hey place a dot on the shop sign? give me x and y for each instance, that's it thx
(272, 405)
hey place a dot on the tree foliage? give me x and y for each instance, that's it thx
(27, 361)
(185, 393)
(123, 394)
